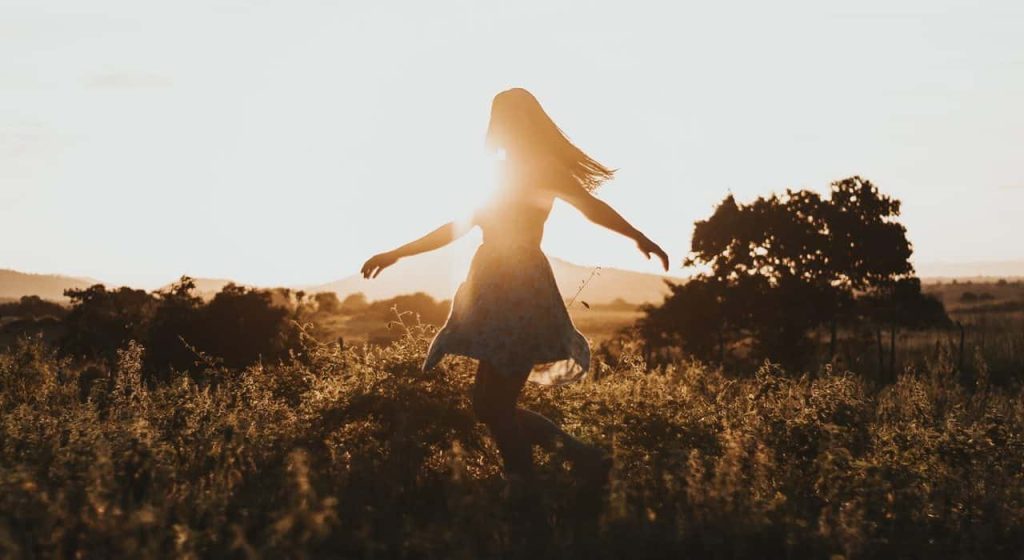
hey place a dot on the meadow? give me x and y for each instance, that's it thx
(375, 324)
(352, 452)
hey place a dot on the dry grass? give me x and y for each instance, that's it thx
(354, 453)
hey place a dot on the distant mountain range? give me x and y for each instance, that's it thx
(977, 270)
(439, 273)
(14, 284)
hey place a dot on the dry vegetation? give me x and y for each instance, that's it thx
(374, 321)
(355, 453)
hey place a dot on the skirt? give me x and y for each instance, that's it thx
(510, 314)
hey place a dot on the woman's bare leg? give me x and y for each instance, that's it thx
(494, 402)
(516, 429)
(545, 433)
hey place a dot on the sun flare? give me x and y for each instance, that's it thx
(478, 187)
(471, 191)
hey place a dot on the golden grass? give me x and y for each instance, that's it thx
(354, 453)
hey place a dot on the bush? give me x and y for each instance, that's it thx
(239, 326)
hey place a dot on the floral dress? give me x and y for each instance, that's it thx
(509, 312)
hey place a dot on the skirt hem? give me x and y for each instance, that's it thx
(542, 371)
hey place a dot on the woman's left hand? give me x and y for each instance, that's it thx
(648, 248)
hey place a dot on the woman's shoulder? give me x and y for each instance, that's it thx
(543, 164)
(546, 173)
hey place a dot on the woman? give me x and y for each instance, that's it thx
(508, 314)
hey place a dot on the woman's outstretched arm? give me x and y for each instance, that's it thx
(599, 212)
(433, 240)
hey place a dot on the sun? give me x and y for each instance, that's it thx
(477, 185)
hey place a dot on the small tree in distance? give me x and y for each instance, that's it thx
(176, 325)
(781, 266)
(327, 302)
(354, 303)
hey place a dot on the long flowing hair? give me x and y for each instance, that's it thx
(517, 118)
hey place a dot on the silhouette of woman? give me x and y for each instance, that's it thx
(508, 314)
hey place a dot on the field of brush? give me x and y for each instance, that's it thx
(354, 453)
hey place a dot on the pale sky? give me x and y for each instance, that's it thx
(285, 142)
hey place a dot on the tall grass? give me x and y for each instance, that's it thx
(354, 453)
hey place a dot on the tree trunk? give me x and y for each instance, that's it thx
(832, 341)
(960, 357)
(881, 353)
(721, 348)
(892, 353)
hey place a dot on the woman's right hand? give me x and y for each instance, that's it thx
(648, 248)
(377, 263)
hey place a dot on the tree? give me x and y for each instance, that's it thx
(354, 303)
(32, 307)
(695, 316)
(867, 248)
(901, 304)
(176, 324)
(784, 264)
(242, 325)
(101, 321)
(327, 302)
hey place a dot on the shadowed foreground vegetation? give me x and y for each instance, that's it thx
(355, 453)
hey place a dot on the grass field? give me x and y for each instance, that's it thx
(356, 454)
(598, 323)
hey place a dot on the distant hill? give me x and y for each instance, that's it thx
(206, 288)
(439, 274)
(14, 284)
(977, 271)
(610, 284)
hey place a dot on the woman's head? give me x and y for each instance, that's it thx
(519, 125)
